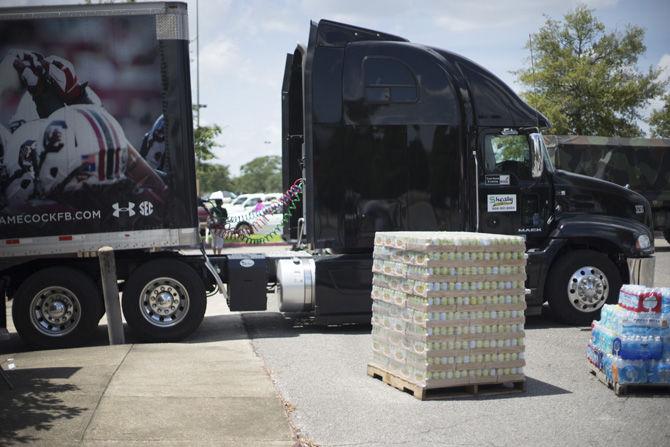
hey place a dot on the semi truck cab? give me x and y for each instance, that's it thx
(599, 231)
(394, 135)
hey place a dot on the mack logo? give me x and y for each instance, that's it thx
(639, 209)
(130, 209)
(146, 208)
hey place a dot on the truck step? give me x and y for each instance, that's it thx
(420, 392)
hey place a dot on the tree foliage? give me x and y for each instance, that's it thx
(215, 177)
(205, 143)
(262, 174)
(585, 79)
(211, 176)
(514, 147)
(659, 121)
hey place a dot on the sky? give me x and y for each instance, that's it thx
(243, 46)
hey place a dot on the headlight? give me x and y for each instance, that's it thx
(643, 243)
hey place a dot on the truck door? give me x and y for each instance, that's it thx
(511, 201)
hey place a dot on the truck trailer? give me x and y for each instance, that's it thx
(641, 164)
(380, 134)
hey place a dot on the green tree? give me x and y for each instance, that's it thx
(659, 122)
(211, 176)
(262, 174)
(514, 147)
(205, 143)
(585, 79)
(215, 177)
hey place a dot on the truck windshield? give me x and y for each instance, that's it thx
(505, 154)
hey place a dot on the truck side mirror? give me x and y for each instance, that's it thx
(537, 166)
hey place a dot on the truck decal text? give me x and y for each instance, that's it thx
(53, 217)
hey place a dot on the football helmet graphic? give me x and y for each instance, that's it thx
(51, 82)
(153, 146)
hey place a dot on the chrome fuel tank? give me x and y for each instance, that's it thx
(296, 279)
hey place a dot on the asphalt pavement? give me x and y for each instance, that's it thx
(321, 372)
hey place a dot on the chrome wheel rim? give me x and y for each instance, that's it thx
(55, 311)
(588, 289)
(164, 302)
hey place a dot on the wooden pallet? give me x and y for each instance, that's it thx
(627, 389)
(448, 392)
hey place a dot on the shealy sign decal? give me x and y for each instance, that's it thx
(497, 203)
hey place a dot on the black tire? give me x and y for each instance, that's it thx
(561, 274)
(666, 234)
(70, 289)
(244, 228)
(185, 305)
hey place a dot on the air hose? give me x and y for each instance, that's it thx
(287, 204)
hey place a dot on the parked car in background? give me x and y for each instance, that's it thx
(249, 222)
(236, 202)
(245, 205)
(272, 196)
(243, 215)
(226, 196)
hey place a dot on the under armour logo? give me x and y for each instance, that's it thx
(130, 209)
(146, 208)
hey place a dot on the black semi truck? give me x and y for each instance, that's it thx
(384, 133)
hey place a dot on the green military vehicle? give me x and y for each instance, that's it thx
(641, 164)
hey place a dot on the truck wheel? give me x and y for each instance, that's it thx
(580, 283)
(57, 307)
(164, 300)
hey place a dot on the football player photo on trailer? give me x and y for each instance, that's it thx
(81, 124)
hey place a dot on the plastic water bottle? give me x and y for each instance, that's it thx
(631, 371)
(665, 300)
(638, 347)
(608, 361)
(602, 338)
(659, 372)
(665, 341)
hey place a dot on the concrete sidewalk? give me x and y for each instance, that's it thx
(211, 390)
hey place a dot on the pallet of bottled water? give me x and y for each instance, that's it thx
(448, 310)
(630, 344)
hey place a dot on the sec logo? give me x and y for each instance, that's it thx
(146, 208)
